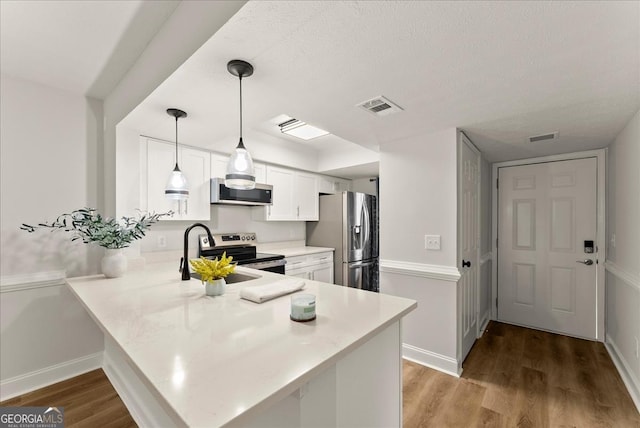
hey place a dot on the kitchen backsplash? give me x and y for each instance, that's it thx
(166, 236)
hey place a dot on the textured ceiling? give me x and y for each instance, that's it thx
(80, 46)
(501, 71)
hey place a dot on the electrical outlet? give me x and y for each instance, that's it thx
(432, 242)
(162, 241)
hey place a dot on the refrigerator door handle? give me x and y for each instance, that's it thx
(360, 264)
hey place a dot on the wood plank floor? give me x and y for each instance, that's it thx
(89, 401)
(518, 377)
(513, 377)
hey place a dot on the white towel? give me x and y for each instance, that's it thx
(262, 293)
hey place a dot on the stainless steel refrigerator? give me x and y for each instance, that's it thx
(349, 223)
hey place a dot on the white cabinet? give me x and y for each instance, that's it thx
(332, 185)
(295, 196)
(159, 162)
(317, 267)
(219, 167)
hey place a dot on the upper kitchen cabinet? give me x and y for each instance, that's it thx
(295, 196)
(219, 168)
(159, 162)
(331, 185)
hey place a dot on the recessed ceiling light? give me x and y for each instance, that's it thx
(300, 129)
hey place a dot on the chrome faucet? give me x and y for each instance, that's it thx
(184, 262)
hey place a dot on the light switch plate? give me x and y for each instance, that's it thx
(432, 242)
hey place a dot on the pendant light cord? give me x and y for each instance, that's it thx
(240, 107)
(176, 141)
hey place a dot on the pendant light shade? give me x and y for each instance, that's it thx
(177, 187)
(240, 172)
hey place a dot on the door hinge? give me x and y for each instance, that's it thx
(497, 183)
(496, 242)
(496, 303)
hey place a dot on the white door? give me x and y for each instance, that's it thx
(546, 220)
(469, 244)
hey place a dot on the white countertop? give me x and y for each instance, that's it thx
(301, 251)
(217, 359)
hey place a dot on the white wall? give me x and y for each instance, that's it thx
(364, 185)
(48, 159)
(48, 167)
(623, 258)
(418, 196)
(223, 219)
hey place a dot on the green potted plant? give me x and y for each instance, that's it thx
(213, 273)
(91, 227)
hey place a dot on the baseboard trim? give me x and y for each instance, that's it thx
(37, 379)
(32, 280)
(628, 277)
(627, 375)
(444, 273)
(432, 360)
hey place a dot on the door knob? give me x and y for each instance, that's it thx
(466, 263)
(587, 262)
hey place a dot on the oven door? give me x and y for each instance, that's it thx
(275, 266)
(363, 275)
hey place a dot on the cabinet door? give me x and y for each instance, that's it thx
(218, 165)
(196, 166)
(261, 172)
(300, 274)
(307, 196)
(161, 159)
(283, 207)
(323, 273)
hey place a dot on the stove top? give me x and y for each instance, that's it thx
(241, 246)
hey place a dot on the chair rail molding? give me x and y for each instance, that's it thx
(30, 281)
(444, 273)
(628, 277)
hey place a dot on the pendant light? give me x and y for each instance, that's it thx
(240, 172)
(177, 186)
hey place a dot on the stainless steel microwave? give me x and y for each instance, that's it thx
(221, 194)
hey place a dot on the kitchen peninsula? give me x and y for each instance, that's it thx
(180, 358)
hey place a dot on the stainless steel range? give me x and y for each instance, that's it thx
(242, 246)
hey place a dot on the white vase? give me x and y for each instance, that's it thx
(215, 287)
(114, 263)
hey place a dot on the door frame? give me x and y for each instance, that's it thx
(601, 256)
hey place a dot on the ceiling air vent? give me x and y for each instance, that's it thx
(544, 137)
(380, 106)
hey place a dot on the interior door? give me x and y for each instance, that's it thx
(468, 225)
(546, 246)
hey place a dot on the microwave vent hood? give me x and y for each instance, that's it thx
(222, 195)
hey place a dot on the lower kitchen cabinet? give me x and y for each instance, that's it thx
(159, 161)
(316, 267)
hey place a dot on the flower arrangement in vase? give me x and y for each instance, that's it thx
(113, 235)
(213, 272)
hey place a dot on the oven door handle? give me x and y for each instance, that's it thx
(265, 265)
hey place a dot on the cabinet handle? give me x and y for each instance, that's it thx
(298, 211)
(324, 258)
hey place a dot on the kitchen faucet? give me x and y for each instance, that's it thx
(184, 262)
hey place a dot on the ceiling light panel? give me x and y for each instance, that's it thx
(302, 130)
